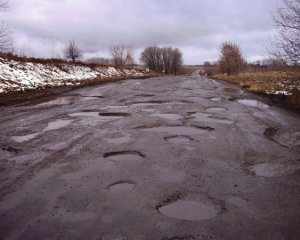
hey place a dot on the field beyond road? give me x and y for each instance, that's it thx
(162, 158)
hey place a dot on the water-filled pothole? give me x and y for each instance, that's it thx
(169, 116)
(205, 117)
(85, 114)
(124, 156)
(89, 98)
(178, 130)
(178, 139)
(273, 170)
(188, 210)
(121, 186)
(253, 103)
(57, 125)
(51, 126)
(215, 109)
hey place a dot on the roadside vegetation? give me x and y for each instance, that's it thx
(279, 76)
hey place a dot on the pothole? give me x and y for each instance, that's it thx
(122, 138)
(178, 130)
(145, 95)
(25, 138)
(273, 170)
(216, 99)
(188, 210)
(85, 114)
(6, 152)
(114, 114)
(57, 125)
(177, 139)
(285, 137)
(204, 117)
(253, 103)
(124, 156)
(168, 116)
(215, 109)
(89, 98)
(121, 186)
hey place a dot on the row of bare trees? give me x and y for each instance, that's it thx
(167, 60)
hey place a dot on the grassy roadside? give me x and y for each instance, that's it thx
(282, 87)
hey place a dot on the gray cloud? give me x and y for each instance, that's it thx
(196, 26)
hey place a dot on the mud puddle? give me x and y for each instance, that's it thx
(51, 126)
(253, 103)
(188, 210)
(124, 156)
(215, 109)
(204, 117)
(178, 130)
(57, 125)
(178, 139)
(273, 170)
(120, 187)
(168, 116)
(216, 99)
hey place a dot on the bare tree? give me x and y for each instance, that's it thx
(286, 47)
(167, 60)
(72, 51)
(122, 55)
(6, 36)
(231, 58)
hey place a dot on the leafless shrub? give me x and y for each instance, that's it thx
(122, 55)
(167, 60)
(286, 47)
(231, 59)
(72, 51)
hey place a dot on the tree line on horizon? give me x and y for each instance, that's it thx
(285, 48)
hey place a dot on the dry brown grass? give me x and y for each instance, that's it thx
(272, 82)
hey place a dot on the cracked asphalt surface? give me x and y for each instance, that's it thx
(160, 158)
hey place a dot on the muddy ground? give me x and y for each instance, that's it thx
(167, 158)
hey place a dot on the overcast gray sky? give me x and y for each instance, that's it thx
(197, 27)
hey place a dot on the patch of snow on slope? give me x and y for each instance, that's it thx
(20, 76)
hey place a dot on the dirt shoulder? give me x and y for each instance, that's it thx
(39, 95)
(282, 87)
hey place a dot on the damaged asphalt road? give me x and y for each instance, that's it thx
(160, 158)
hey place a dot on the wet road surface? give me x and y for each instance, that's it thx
(160, 158)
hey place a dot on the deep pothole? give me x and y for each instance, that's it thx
(178, 130)
(274, 169)
(177, 207)
(121, 186)
(124, 156)
(177, 139)
(253, 103)
(114, 114)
